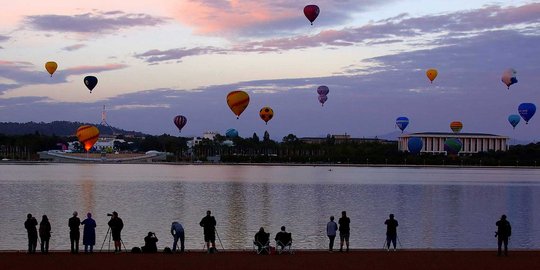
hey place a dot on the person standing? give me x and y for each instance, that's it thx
(344, 230)
(30, 225)
(331, 230)
(504, 231)
(209, 228)
(391, 231)
(89, 233)
(177, 232)
(74, 233)
(45, 233)
(116, 224)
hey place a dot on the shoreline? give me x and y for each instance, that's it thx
(301, 259)
(24, 162)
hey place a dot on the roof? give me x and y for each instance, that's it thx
(450, 134)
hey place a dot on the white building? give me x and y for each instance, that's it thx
(433, 142)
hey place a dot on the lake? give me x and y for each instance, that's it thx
(437, 208)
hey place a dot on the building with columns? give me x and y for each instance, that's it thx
(433, 142)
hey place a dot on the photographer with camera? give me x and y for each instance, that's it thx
(209, 229)
(74, 233)
(504, 231)
(150, 245)
(116, 224)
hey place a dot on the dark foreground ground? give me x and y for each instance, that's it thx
(400, 260)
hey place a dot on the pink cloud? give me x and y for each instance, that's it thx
(211, 17)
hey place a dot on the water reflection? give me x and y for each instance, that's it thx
(435, 209)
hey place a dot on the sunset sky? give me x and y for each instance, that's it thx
(157, 59)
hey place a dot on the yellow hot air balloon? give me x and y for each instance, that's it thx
(51, 67)
(238, 102)
(431, 74)
(88, 135)
(266, 114)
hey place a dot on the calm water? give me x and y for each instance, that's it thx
(436, 208)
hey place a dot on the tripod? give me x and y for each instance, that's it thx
(109, 235)
(387, 244)
(219, 239)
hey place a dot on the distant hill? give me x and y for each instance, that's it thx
(59, 128)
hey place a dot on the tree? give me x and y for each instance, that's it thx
(290, 139)
(255, 138)
(266, 136)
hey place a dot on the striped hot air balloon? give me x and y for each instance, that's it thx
(88, 135)
(452, 146)
(456, 126)
(238, 102)
(180, 121)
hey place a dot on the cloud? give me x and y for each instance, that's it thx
(3, 38)
(74, 47)
(97, 22)
(433, 29)
(23, 73)
(154, 56)
(246, 17)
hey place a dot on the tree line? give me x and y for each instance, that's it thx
(265, 150)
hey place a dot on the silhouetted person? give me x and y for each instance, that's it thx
(45, 233)
(150, 243)
(331, 230)
(116, 224)
(283, 238)
(209, 228)
(391, 231)
(261, 239)
(30, 225)
(89, 233)
(74, 234)
(177, 232)
(504, 230)
(344, 230)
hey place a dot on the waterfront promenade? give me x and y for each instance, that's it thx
(301, 259)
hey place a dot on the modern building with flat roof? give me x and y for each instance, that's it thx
(433, 142)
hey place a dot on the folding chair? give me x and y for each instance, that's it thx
(262, 246)
(284, 244)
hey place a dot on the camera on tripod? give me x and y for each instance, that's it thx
(496, 234)
(109, 214)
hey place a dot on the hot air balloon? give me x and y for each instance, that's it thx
(323, 90)
(452, 146)
(90, 82)
(311, 12)
(415, 145)
(456, 126)
(231, 133)
(238, 102)
(513, 119)
(180, 121)
(509, 77)
(526, 110)
(402, 122)
(51, 67)
(431, 74)
(266, 114)
(322, 99)
(88, 135)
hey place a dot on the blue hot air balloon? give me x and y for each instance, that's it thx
(514, 120)
(452, 146)
(231, 133)
(415, 145)
(402, 122)
(526, 110)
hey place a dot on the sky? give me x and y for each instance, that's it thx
(158, 59)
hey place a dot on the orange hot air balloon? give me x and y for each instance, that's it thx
(88, 135)
(431, 74)
(51, 67)
(266, 114)
(238, 102)
(456, 126)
